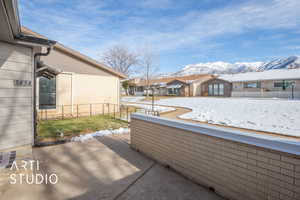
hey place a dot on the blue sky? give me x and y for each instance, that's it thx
(179, 32)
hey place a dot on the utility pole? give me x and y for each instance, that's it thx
(293, 87)
(152, 89)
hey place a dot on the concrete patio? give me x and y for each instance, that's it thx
(104, 168)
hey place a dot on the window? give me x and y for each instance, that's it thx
(221, 89)
(210, 89)
(252, 85)
(283, 84)
(47, 93)
(216, 88)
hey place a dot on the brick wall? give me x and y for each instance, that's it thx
(235, 170)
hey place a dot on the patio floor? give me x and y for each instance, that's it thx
(104, 168)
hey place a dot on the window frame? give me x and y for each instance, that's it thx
(248, 84)
(54, 91)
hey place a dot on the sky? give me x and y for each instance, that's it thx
(179, 32)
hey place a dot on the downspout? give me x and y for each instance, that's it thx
(34, 91)
(72, 94)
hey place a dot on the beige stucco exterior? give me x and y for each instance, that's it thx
(82, 88)
(73, 88)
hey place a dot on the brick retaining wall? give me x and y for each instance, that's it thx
(243, 167)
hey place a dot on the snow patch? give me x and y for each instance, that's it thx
(149, 107)
(82, 138)
(272, 115)
(132, 99)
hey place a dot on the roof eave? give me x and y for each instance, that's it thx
(13, 16)
(77, 54)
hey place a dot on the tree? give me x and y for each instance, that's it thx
(120, 58)
(125, 85)
(149, 66)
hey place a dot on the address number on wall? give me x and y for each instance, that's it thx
(22, 83)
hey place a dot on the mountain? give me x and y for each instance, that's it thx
(239, 67)
(218, 68)
(290, 62)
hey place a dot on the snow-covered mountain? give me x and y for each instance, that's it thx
(218, 68)
(290, 62)
(239, 67)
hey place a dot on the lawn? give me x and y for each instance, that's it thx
(271, 115)
(59, 129)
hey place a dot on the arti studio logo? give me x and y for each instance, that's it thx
(30, 178)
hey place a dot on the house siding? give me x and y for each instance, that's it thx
(16, 111)
(266, 89)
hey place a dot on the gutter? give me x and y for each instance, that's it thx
(34, 91)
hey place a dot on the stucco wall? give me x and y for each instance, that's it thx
(86, 89)
(82, 83)
(236, 166)
(16, 112)
(68, 63)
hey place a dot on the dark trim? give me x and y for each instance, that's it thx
(36, 40)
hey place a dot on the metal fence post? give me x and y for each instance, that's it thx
(114, 111)
(103, 109)
(62, 111)
(46, 114)
(108, 109)
(77, 110)
(120, 108)
(127, 114)
(90, 110)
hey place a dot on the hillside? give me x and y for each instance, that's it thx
(239, 67)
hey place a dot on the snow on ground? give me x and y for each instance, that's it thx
(272, 115)
(147, 106)
(132, 99)
(82, 138)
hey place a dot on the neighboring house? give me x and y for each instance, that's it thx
(82, 80)
(19, 54)
(180, 86)
(216, 87)
(279, 83)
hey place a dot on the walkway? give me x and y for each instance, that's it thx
(104, 168)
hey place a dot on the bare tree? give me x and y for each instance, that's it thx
(149, 66)
(120, 58)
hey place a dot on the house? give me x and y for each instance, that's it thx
(279, 83)
(177, 85)
(81, 81)
(216, 87)
(19, 54)
(178, 88)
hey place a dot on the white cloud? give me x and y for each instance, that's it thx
(192, 29)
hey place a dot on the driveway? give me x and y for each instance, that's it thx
(104, 168)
